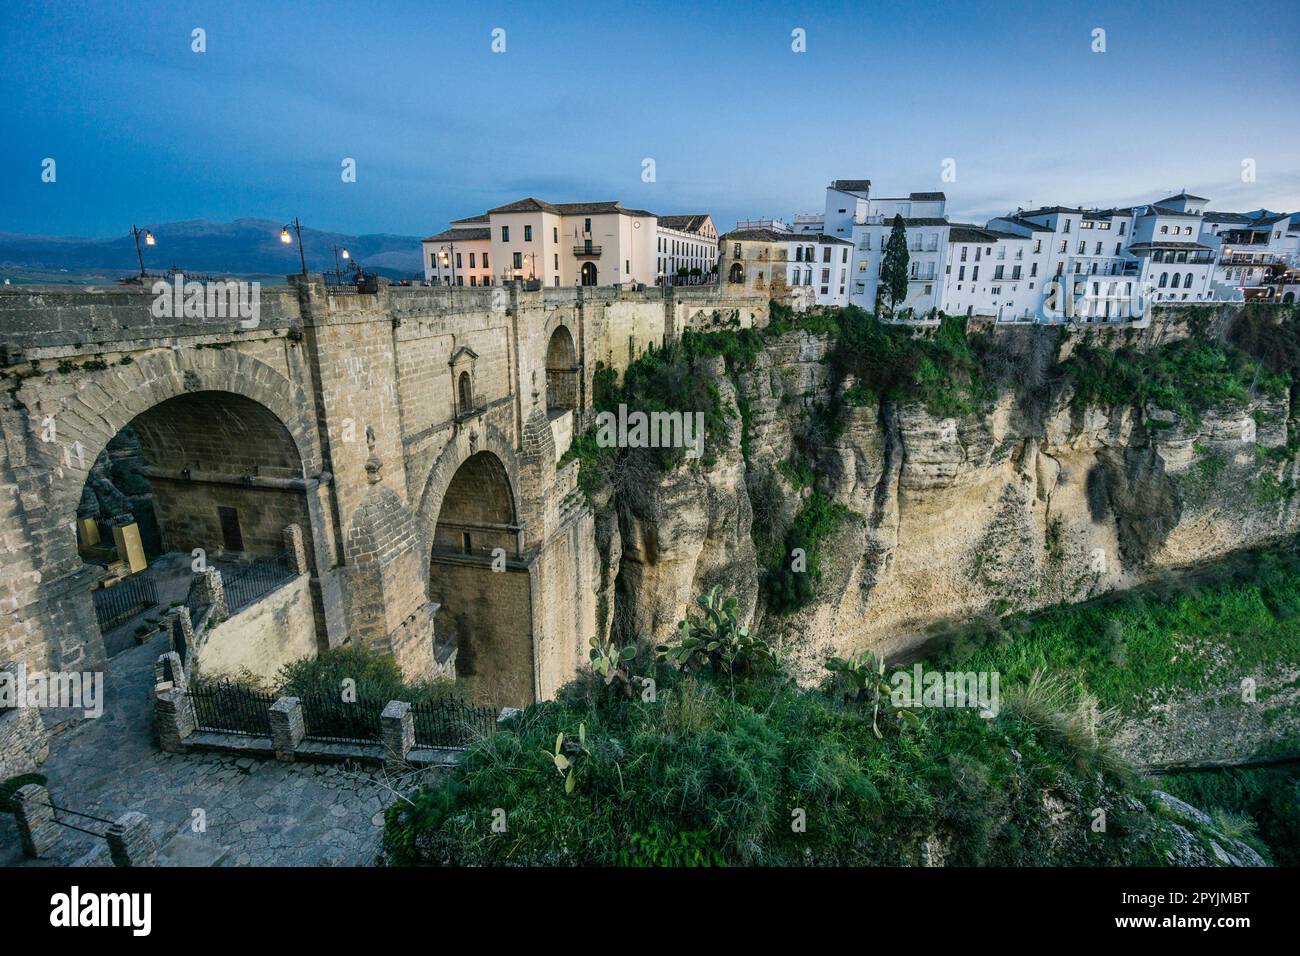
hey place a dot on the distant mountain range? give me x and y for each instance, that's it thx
(245, 247)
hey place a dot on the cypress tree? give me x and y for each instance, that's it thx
(893, 274)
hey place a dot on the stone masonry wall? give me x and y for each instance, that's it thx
(264, 636)
(326, 401)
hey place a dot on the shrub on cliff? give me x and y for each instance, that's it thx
(938, 368)
(776, 775)
(1187, 377)
(374, 677)
(787, 585)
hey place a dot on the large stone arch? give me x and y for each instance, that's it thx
(70, 419)
(106, 401)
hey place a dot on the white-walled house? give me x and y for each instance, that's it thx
(1165, 253)
(822, 263)
(927, 246)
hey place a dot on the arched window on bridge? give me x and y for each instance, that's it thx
(561, 373)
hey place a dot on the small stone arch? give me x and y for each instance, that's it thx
(468, 442)
(737, 273)
(464, 393)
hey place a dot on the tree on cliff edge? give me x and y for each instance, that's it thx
(893, 272)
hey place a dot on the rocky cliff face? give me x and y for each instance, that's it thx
(680, 533)
(1032, 500)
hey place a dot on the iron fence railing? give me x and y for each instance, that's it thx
(76, 813)
(245, 585)
(226, 707)
(333, 720)
(451, 723)
(124, 600)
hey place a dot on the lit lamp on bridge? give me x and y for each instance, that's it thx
(446, 253)
(148, 238)
(343, 254)
(288, 240)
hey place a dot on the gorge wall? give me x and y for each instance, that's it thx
(1033, 498)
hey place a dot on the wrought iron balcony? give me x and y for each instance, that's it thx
(586, 252)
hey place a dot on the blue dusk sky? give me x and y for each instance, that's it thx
(145, 130)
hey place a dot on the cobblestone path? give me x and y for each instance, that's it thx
(268, 813)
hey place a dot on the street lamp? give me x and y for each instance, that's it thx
(288, 240)
(449, 260)
(340, 253)
(148, 241)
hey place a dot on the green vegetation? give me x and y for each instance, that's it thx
(718, 644)
(376, 677)
(1186, 377)
(893, 266)
(938, 368)
(707, 768)
(661, 380)
(1144, 646)
(792, 574)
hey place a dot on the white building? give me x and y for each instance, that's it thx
(685, 244)
(1251, 249)
(990, 273)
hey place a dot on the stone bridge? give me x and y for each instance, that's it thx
(416, 435)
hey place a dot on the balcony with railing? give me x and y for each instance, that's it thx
(586, 251)
(1249, 259)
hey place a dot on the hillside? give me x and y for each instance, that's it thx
(245, 247)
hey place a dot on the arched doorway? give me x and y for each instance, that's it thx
(202, 479)
(589, 273)
(483, 596)
(561, 373)
(737, 273)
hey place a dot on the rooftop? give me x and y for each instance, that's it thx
(689, 223)
(969, 232)
(760, 235)
(461, 235)
(532, 204)
(852, 185)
